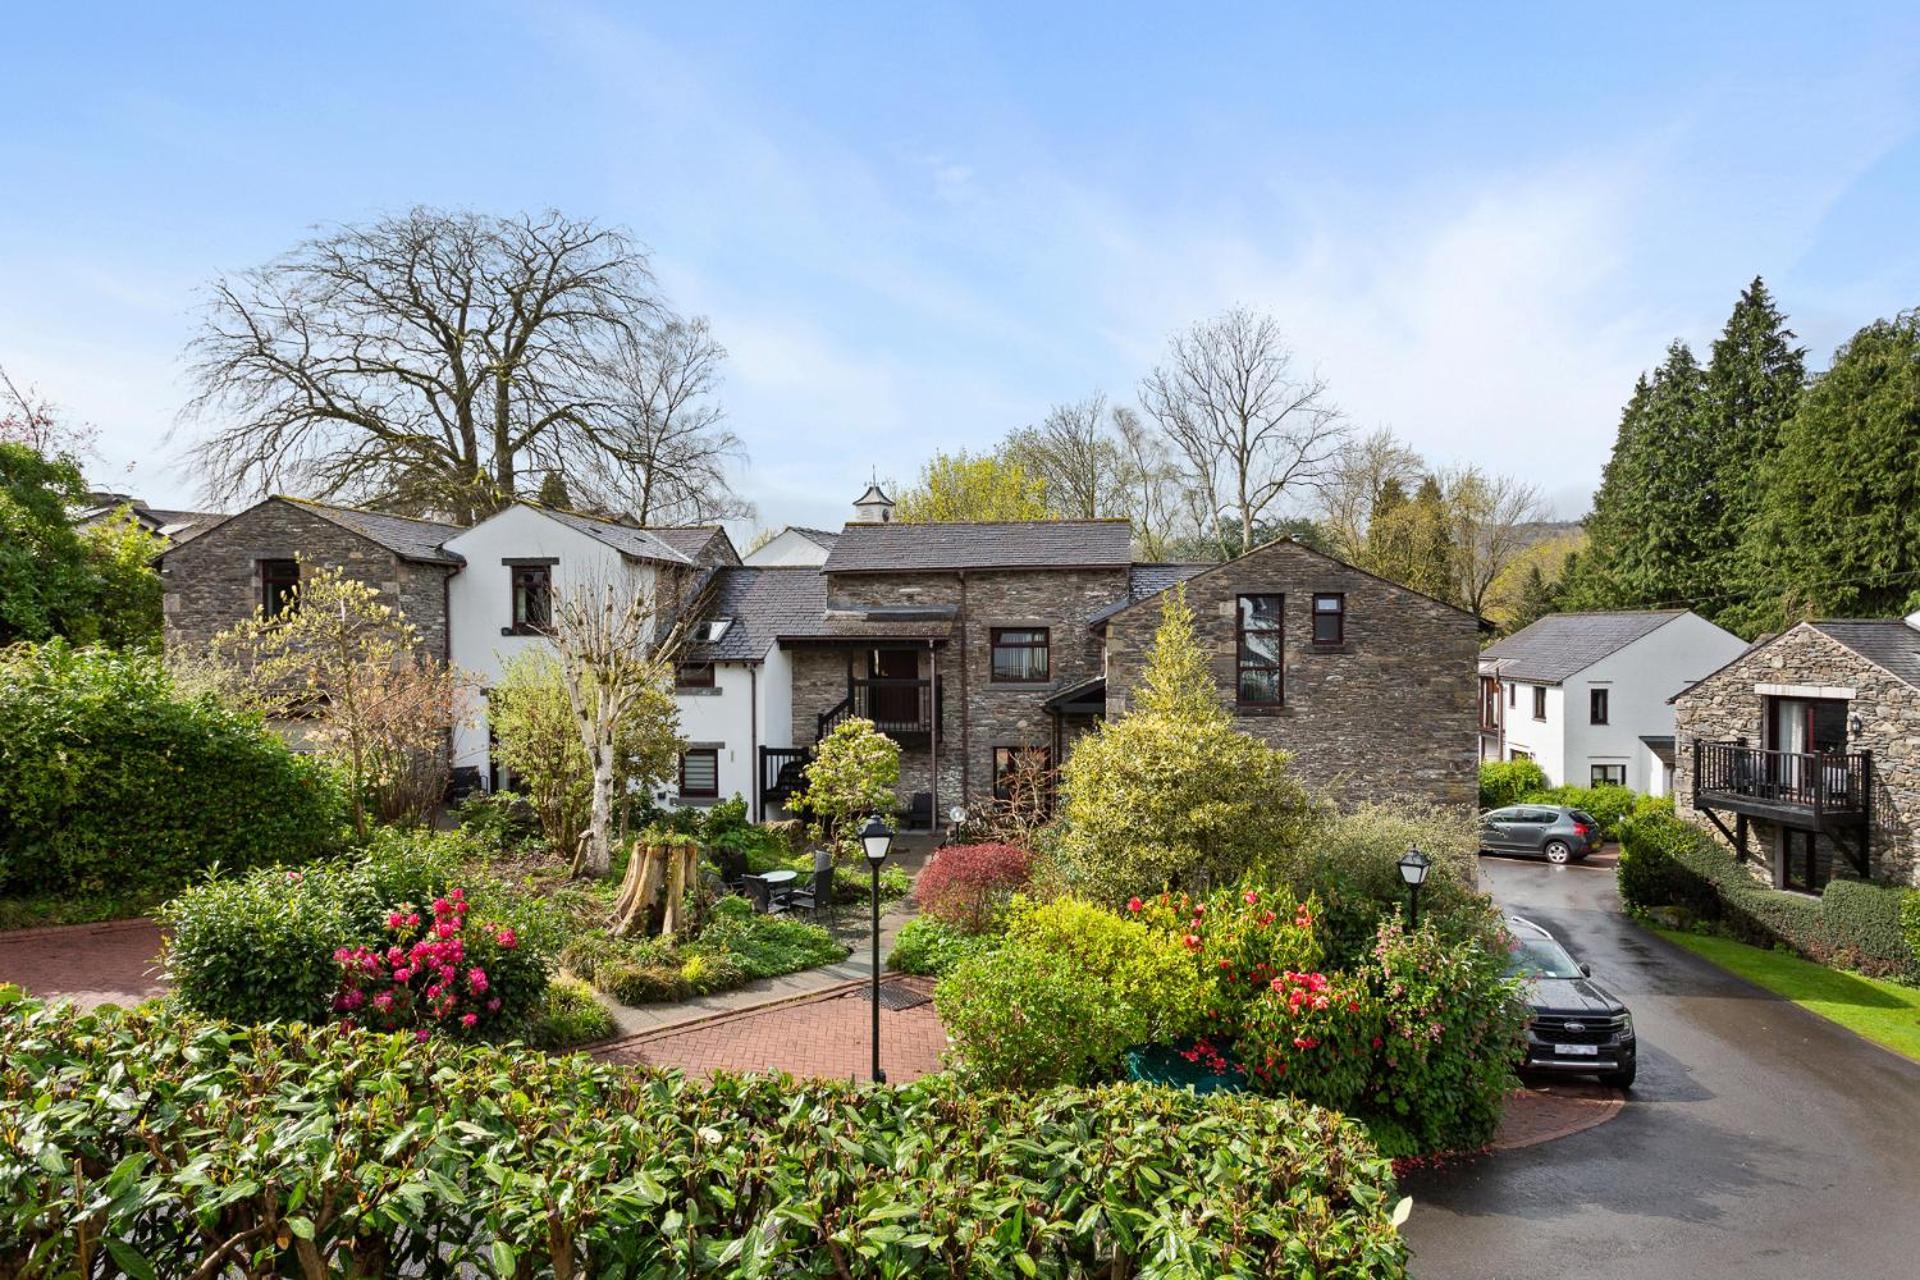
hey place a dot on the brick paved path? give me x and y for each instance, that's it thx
(1549, 1111)
(112, 963)
(827, 1035)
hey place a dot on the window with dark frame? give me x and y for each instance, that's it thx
(1515, 753)
(1489, 703)
(1596, 706)
(1329, 618)
(532, 598)
(1607, 775)
(279, 587)
(1007, 760)
(1513, 695)
(1539, 702)
(693, 675)
(1259, 641)
(1020, 655)
(700, 773)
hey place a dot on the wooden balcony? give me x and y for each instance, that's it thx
(908, 711)
(1821, 791)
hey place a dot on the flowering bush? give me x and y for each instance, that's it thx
(1452, 1025)
(1313, 1036)
(1242, 939)
(968, 885)
(438, 974)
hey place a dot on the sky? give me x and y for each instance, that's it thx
(916, 226)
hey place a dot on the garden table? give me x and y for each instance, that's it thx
(773, 885)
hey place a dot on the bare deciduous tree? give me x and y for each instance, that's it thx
(1250, 431)
(1074, 453)
(1364, 470)
(29, 418)
(426, 361)
(661, 447)
(1153, 499)
(616, 643)
(1490, 515)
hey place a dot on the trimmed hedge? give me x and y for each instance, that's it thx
(1503, 782)
(110, 778)
(1665, 861)
(151, 1145)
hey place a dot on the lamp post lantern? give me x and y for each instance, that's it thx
(876, 838)
(1413, 869)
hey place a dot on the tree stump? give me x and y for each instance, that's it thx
(646, 872)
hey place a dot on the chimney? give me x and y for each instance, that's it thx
(873, 506)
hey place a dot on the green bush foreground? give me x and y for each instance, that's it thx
(153, 1144)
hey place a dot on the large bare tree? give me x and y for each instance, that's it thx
(1364, 470)
(1153, 500)
(1493, 518)
(661, 447)
(1074, 453)
(426, 361)
(1252, 431)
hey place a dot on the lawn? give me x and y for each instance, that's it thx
(1884, 1012)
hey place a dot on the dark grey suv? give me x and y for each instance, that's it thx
(1576, 1025)
(1553, 832)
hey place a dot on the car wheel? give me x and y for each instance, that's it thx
(1558, 851)
(1620, 1079)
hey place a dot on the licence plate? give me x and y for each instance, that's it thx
(1577, 1050)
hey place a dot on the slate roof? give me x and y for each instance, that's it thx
(406, 537)
(823, 538)
(628, 540)
(700, 544)
(1888, 643)
(1561, 644)
(1030, 544)
(764, 603)
(1150, 579)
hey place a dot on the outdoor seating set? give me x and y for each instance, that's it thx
(779, 892)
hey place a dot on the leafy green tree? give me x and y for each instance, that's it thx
(965, 486)
(90, 586)
(1410, 540)
(1754, 383)
(1171, 794)
(1839, 532)
(852, 774)
(1538, 598)
(553, 492)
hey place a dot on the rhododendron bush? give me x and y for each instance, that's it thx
(439, 971)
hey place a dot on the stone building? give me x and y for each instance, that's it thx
(250, 560)
(1803, 754)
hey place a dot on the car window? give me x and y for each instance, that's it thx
(1500, 815)
(1540, 958)
(1534, 815)
(1581, 815)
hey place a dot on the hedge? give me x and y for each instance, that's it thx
(1503, 782)
(1665, 861)
(149, 1144)
(111, 779)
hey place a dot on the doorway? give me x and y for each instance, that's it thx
(1799, 728)
(894, 697)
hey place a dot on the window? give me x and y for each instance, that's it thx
(1515, 753)
(708, 630)
(1330, 618)
(1539, 702)
(532, 598)
(1022, 769)
(279, 582)
(1489, 703)
(1513, 694)
(693, 675)
(1607, 775)
(700, 774)
(1019, 655)
(1258, 635)
(1597, 706)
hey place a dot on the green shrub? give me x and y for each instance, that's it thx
(568, 1016)
(1503, 782)
(1171, 795)
(757, 946)
(498, 819)
(1607, 805)
(260, 947)
(925, 945)
(1070, 990)
(1666, 861)
(110, 779)
(335, 1153)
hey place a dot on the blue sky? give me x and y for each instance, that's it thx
(915, 226)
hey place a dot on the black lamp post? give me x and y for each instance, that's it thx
(1413, 869)
(876, 838)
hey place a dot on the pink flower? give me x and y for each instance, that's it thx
(1193, 942)
(476, 980)
(469, 1020)
(1250, 897)
(384, 1001)
(506, 939)
(1304, 1042)
(493, 1005)
(422, 1035)
(1134, 905)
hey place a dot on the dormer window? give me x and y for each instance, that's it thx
(708, 630)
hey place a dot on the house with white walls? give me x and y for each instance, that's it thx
(793, 545)
(513, 564)
(1586, 695)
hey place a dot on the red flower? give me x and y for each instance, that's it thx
(1250, 897)
(1134, 905)
(1193, 942)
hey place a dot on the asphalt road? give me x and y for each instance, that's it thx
(1760, 1141)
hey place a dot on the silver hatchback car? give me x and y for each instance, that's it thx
(1549, 831)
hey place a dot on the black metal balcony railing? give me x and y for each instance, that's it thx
(898, 707)
(782, 772)
(1836, 782)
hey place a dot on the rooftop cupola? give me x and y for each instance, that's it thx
(873, 506)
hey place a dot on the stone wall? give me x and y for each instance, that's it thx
(212, 582)
(1726, 706)
(1388, 715)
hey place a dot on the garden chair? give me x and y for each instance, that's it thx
(733, 868)
(817, 896)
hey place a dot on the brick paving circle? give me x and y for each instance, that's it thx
(1547, 1112)
(90, 964)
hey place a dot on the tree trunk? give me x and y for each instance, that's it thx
(679, 859)
(645, 874)
(596, 851)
